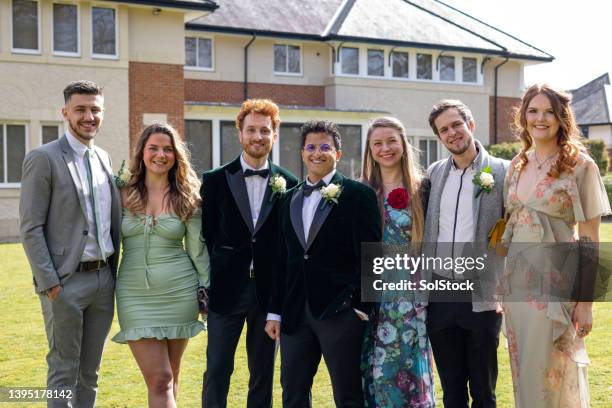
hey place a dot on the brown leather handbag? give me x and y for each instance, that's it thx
(495, 236)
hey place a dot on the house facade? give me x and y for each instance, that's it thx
(193, 62)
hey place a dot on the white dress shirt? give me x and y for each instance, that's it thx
(256, 189)
(100, 179)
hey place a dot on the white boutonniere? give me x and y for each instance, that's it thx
(331, 192)
(484, 179)
(123, 176)
(278, 184)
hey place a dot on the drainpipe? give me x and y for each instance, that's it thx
(495, 101)
(246, 66)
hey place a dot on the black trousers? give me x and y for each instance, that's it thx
(339, 340)
(464, 345)
(223, 334)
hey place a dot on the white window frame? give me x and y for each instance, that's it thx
(360, 64)
(3, 124)
(457, 66)
(428, 139)
(66, 53)
(479, 77)
(390, 66)
(212, 54)
(91, 33)
(385, 61)
(60, 130)
(38, 22)
(287, 73)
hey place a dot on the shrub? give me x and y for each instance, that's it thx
(504, 150)
(608, 183)
(599, 153)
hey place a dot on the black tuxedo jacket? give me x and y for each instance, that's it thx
(232, 239)
(324, 270)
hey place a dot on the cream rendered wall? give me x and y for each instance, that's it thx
(154, 38)
(602, 132)
(510, 81)
(229, 60)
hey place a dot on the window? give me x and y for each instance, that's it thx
(103, 32)
(349, 60)
(429, 151)
(424, 66)
(585, 131)
(287, 59)
(290, 144)
(230, 144)
(12, 152)
(469, 70)
(25, 26)
(198, 52)
(198, 135)
(399, 61)
(350, 163)
(65, 29)
(376, 62)
(49, 133)
(447, 68)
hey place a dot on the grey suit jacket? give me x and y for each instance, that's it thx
(52, 213)
(487, 207)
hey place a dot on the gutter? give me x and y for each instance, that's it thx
(246, 66)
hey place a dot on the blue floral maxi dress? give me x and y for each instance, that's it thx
(396, 362)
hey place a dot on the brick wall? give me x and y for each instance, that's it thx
(197, 90)
(609, 159)
(505, 107)
(155, 88)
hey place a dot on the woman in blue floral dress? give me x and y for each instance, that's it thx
(396, 360)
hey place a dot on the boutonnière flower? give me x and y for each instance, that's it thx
(484, 179)
(331, 192)
(278, 184)
(123, 176)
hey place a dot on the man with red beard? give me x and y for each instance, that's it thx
(240, 226)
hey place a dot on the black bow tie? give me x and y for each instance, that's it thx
(308, 189)
(261, 173)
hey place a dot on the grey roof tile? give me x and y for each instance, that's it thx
(592, 102)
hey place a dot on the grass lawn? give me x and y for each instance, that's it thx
(23, 347)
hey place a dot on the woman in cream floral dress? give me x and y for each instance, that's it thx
(554, 195)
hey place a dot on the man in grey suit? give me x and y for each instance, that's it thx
(70, 212)
(464, 331)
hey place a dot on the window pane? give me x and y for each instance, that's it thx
(424, 66)
(65, 35)
(376, 62)
(198, 135)
(190, 52)
(204, 53)
(280, 58)
(25, 24)
(350, 164)
(230, 144)
(447, 68)
(49, 133)
(433, 151)
(294, 58)
(2, 154)
(103, 29)
(290, 144)
(400, 64)
(469, 70)
(349, 58)
(423, 153)
(15, 152)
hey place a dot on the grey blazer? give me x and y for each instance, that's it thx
(487, 207)
(52, 213)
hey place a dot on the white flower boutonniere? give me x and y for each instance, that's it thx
(331, 192)
(123, 176)
(484, 179)
(278, 184)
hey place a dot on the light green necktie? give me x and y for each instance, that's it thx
(95, 202)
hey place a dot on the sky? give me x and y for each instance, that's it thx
(577, 33)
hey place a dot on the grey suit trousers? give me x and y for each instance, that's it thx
(77, 323)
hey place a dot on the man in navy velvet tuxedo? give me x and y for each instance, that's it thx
(240, 225)
(316, 308)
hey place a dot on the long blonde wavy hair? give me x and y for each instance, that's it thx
(182, 197)
(568, 136)
(412, 176)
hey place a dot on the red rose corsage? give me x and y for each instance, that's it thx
(399, 198)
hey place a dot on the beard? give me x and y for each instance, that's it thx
(257, 153)
(74, 129)
(461, 149)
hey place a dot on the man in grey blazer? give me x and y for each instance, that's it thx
(464, 331)
(70, 213)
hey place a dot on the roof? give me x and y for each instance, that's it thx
(414, 23)
(202, 5)
(592, 102)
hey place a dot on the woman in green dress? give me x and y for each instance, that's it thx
(163, 262)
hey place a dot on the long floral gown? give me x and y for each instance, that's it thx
(397, 361)
(547, 358)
